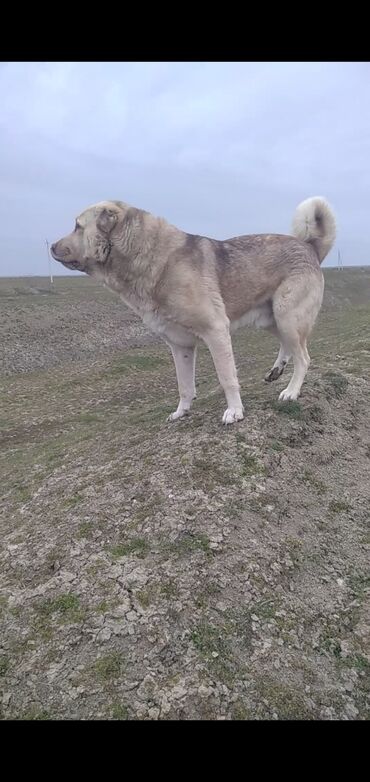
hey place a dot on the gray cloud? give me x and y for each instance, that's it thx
(217, 148)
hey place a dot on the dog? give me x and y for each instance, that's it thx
(188, 288)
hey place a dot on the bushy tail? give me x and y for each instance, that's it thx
(314, 222)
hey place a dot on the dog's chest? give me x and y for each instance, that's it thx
(167, 329)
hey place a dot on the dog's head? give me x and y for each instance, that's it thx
(90, 244)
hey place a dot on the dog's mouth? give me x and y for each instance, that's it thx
(67, 262)
(70, 264)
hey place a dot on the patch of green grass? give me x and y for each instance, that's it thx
(169, 589)
(188, 543)
(359, 585)
(359, 662)
(203, 597)
(15, 611)
(142, 363)
(20, 492)
(265, 609)
(276, 445)
(259, 503)
(66, 607)
(36, 714)
(207, 474)
(4, 664)
(292, 409)
(215, 643)
(315, 413)
(147, 510)
(282, 700)
(119, 711)
(102, 607)
(339, 506)
(88, 418)
(145, 597)
(137, 546)
(3, 604)
(309, 477)
(109, 667)
(331, 645)
(336, 384)
(294, 548)
(208, 640)
(70, 502)
(64, 603)
(85, 529)
(96, 567)
(240, 712)
(251, 466)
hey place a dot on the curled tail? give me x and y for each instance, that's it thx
(314, 222)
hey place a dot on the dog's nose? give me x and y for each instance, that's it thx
(53, 247)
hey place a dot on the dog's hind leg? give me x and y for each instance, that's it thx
(184, 358)
(296, 305)
(281, 361)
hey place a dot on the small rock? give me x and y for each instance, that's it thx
(179, 691)
(122, 608)
(98, 621)
(64, 575)
(205, 691)
(104, 634)
(6, 699)
(344, 649)
(351, 710)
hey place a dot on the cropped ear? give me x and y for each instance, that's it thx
(106, 220)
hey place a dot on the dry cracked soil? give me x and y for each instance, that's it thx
(180, 571)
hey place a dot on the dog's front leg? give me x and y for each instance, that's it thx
(218, 341)
(184, 358)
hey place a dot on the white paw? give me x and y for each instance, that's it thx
(288, 396)
(177, 414)
(233, 414)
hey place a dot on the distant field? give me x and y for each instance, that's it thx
(176, 571)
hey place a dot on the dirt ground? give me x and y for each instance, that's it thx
(180, 571)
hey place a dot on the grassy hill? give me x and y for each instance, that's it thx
(153, 570)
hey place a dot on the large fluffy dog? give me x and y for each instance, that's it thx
(187, 287)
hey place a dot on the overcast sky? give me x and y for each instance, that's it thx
(218, 149)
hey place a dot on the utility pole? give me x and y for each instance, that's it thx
(49, 262)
